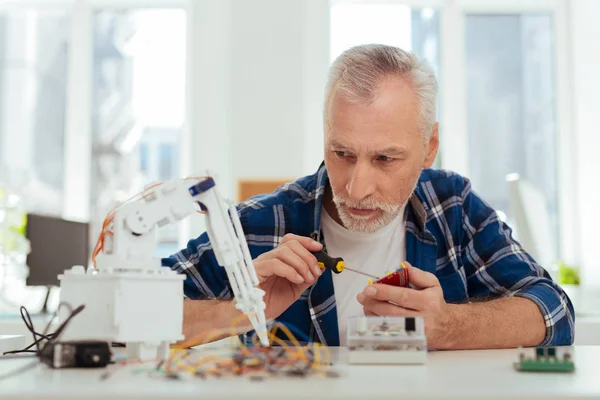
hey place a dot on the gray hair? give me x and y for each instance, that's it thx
(357, 72)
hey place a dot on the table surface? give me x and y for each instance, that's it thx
(481, 374)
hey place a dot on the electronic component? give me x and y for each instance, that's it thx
(85, 354)
(387, 340)
(545, 359)
(130, 297)
(397, 278)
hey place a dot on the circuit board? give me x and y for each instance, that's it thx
(387, 340)
(545, 359)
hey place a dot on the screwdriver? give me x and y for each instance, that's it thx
(335, 264)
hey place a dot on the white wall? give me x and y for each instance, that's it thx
(207, 134)
(259, 98)
(585, 31)
(316, 64)
(267, 80)
(279, 63)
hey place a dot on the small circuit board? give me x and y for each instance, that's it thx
(545, 359)
(387, 340)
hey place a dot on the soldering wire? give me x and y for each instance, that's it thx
(179, 358)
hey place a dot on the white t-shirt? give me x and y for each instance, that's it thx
(373, 253)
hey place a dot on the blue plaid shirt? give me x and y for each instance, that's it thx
(450, 232)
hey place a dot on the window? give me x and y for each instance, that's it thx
(166, 160)
(511, 110)
(392, 24)
(34, 45)
(144, 162)
(499, 98)
(138, 105)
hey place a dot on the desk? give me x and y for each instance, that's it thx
(457, 375)
(587, 330)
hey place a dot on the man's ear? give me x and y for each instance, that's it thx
(432, 147)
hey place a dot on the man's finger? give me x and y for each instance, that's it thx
(403, 297)
(289, 257)
(420, 279)
(306, 242)
(279, 268)
(306, 255)
(385, 309)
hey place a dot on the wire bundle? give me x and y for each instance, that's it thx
(287, 358)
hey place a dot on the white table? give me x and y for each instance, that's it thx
(480, 375)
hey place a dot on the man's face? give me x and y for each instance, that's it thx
(374, 153)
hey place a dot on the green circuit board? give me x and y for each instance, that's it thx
(545, 360)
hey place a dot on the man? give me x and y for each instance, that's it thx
(376, 203)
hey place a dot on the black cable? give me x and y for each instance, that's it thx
(50, 339)
(36, 341)
(25, 350)
(17, 356)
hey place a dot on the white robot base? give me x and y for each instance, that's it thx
(143, 309)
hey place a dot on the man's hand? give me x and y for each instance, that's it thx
(286, 272)
(425, 299)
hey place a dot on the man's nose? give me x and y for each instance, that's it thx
(361, 183)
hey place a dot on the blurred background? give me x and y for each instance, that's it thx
(100, 98)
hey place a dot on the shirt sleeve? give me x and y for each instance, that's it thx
(205, 279)
(497, 265)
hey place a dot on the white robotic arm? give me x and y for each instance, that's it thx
(133, 239)
(231, 250)
(129, 247)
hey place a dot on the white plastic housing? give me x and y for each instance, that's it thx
(386, 340)
(142, 309)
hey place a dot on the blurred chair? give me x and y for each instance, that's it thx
(529, 211)
(251, 187)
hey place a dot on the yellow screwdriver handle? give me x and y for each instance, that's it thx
(325, 261)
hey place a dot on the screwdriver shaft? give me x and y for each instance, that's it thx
(362, 273)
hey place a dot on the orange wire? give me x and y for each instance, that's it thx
(108, 220)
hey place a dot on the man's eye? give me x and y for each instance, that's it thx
(385, 159)
(340, 153)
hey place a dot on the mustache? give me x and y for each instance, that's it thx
(366, 204)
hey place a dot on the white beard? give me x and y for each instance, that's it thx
(358, 223)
